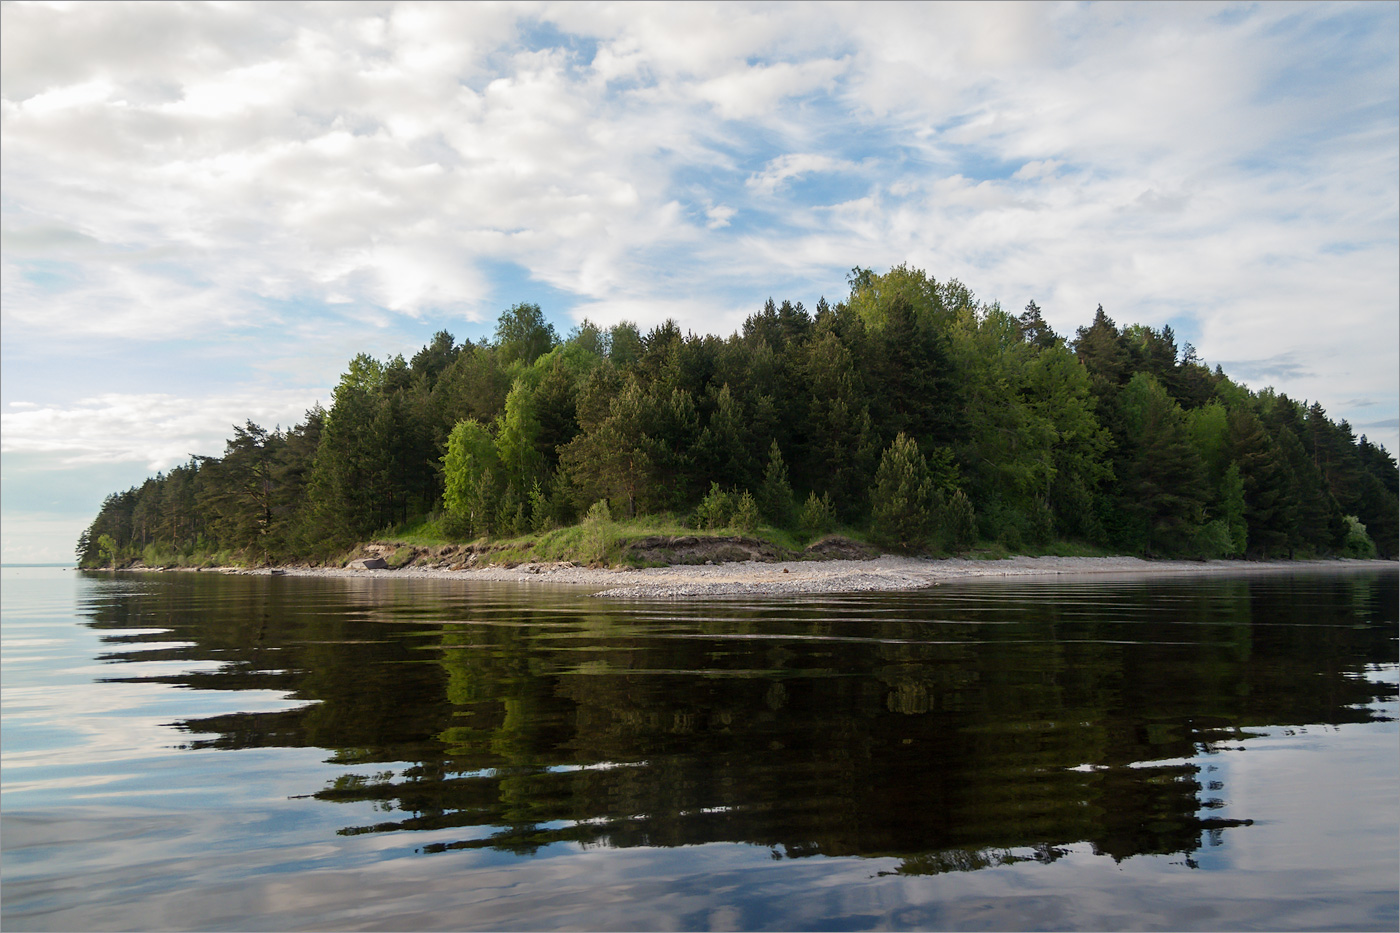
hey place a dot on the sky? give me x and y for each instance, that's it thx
(208, 209)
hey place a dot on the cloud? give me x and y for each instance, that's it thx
(719, 215)
(794, 165)
(749, 91)
(156, 429)
(222, 171)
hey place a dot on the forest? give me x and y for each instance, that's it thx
(909, 414)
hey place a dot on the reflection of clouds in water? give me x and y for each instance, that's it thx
(245, 842)
(69, 731)
(106, 735)
(1301, 789)
(709, 886)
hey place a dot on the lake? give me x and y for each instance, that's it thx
(204, 751)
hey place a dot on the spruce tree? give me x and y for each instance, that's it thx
(775, 499)
(902, 496)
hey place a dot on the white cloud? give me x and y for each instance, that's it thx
(719, 215)
(750, 91)
(794, 165)
(159, 430)
(176, 170)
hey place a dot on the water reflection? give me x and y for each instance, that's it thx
(953, 729)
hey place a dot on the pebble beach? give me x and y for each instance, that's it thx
(887, 573)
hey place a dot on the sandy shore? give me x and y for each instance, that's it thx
(886, 574)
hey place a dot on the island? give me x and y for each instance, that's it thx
(908, 419)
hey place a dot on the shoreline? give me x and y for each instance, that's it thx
(887, 573)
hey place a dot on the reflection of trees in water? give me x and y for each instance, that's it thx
(954, 730)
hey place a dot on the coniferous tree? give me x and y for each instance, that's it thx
(347, 493)
(431, 361)
(1034, 329)
(775, 499)
(1101, 349)
(1265, 478)
(959, 520)
(1163, 483)
(902, 500)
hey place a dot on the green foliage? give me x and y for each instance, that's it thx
(599, 532)
(1233, 511)
(539, 509)
(923, 415)
(715, 510)
(901, 502)
(960, 520)
(1358, 543)
(775, 498)
(1212, 540)
(1162, 478)
(619, 458)
(1208, 428)
(517, 434)
(1042, 523)
(818, 516)
(746, 514)
(470, 473)
(1265, 481)
(511, 520)
(523, 335)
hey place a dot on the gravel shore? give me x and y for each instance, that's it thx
(886, 574)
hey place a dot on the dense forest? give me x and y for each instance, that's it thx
(909, 413)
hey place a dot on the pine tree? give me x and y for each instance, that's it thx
(1034, 330)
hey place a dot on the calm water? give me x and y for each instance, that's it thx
(196, 751)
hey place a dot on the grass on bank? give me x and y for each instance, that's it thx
(601, 540)
(598, 540)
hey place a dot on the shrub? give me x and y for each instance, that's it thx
(1358, 541)
(746, 515)
(598, 532)
(960, 520)
(715, 510)
(818, 517)
(1213, 540)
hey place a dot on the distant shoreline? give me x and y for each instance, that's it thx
(887, 573)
